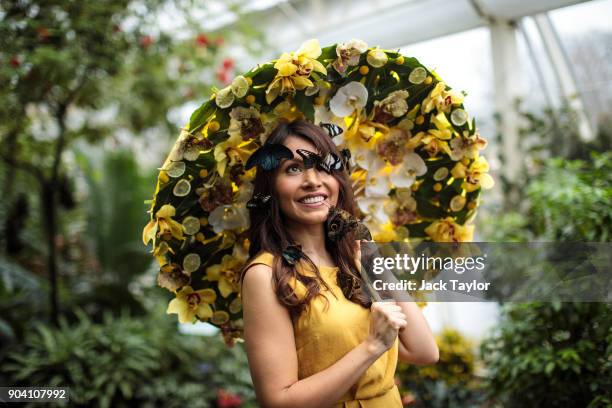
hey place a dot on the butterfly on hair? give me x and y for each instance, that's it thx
(269, 156)
(292, 254)
(332, 130)
(258, 201)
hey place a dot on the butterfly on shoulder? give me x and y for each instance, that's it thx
(340, 222)
(269, 156)
(330, 163)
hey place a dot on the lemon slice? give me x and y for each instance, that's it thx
(235, 306)
(175, 169)
(440, 174)
(459, 117)
(191, 225)
(182, 188)
(220, 317)
(208, 295)
(191, 262)
(457, 203)
(224, 98)
(417, 75)
(192, 153)
(240, 86)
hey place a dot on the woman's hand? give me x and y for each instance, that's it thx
(386, 319)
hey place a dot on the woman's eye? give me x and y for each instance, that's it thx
(293, 167)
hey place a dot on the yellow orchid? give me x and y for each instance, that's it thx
(475, 176)
(232, 151)
(226, 273)
(162, 224)
(436, 139)
(293, 70)
(467, 146)
(441, 99)
(160, 252)
(447, 230)
(189, 303)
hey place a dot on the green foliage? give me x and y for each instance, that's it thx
(551, 354)
(570, 200)
(451, 381)
(125, 361)
(554, 354)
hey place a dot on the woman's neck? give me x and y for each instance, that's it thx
(312, 239)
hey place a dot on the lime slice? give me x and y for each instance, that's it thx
(182, 188)
(175, 169)
(191, 225)
(192, 153)
(235, 306)
(220, 317)
(459, 117)
(240, 86)
(191, 262)
(457, 203)
(440, 174)
(224, 98)
(417, 75)
(208, 295)
(311, 90)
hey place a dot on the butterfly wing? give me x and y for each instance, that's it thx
(310, 159)
(331, 163)
(269, 156)
(332, 130)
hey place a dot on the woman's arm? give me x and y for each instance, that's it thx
(270, 346)
(417, 342)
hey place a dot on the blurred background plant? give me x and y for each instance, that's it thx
(452, 382)
(554, 354)
(92, 96)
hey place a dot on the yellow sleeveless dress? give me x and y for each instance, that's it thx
(323, 336)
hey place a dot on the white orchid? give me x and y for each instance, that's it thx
(229, 217)
(405, 174)
(348, 99)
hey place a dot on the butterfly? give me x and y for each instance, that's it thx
(340, 222)
(258, 201)
(332, 130)
(292, 253)
(269, 156)
(330, 163)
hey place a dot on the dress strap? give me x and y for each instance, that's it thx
(265, 258)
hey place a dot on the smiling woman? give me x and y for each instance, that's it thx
(313, 337)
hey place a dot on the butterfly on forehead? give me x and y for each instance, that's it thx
(331, 162)
(269, 156)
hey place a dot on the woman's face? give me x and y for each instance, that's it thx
(294, 184)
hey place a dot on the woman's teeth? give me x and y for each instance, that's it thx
(312, 200)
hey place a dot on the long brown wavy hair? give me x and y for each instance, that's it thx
(268, 233)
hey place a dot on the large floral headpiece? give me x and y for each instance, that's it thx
(415, 165)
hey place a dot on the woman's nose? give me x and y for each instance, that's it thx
(312, 177)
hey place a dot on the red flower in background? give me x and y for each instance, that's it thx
(228, 63)
(15, 63)
(146, 41)
(223, 76)
(202, 40)
(227, 400)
